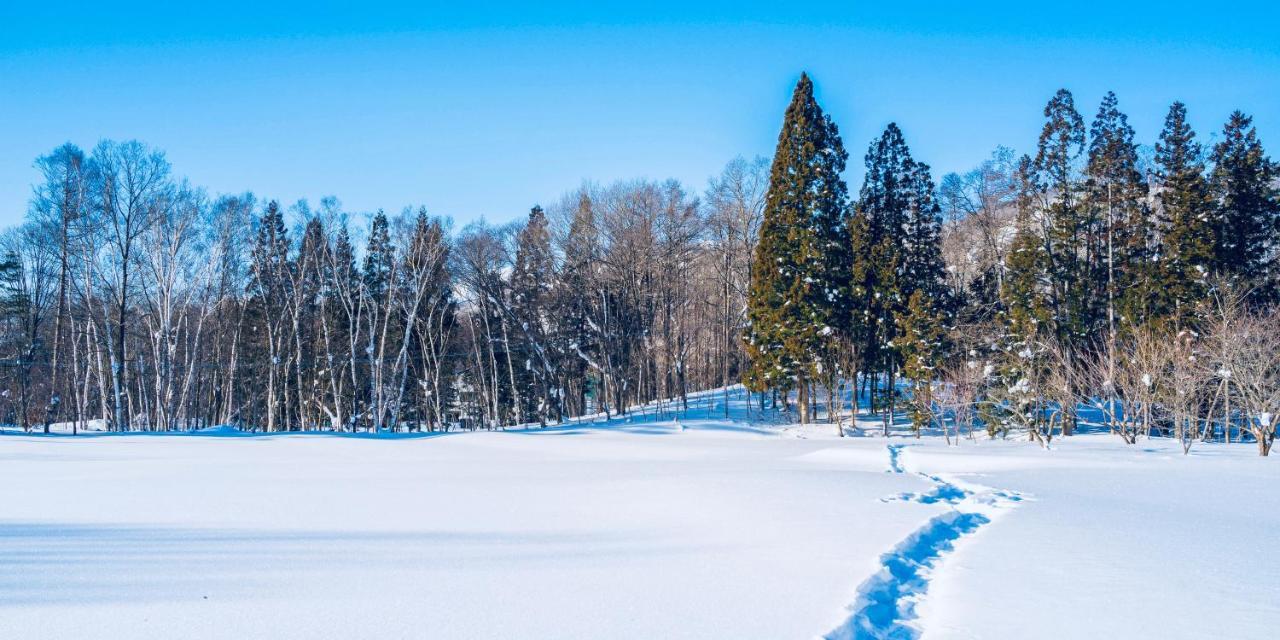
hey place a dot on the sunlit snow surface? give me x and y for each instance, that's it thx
(684, 525)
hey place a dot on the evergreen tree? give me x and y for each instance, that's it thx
(1070, 237)
(269, 287)
(342, 303)
(379, 260)
(270, 259)
(799, 284)
(1028, 303)
(531, 280)
(309, 269)
(1026, 293)
(923, 267)
(576, 341)
(922, 345)
(1243, 184)
(377, 281)
(1186, 217)
(896, 252)
(432, 320)
(1116, 192)
(19, 342)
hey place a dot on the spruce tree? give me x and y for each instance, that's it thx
(1186, 217)
(1243, 185)
(799, 283)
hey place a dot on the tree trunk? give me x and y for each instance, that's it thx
(802, 400)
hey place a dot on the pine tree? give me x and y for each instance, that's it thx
(799, 284)
(1243, 184)
(1115, 192)
(1186, 217)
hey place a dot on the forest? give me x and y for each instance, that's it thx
(1092, 279)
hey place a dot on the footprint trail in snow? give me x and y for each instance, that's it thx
(886, 602)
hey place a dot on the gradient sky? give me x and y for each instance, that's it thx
(483, 109)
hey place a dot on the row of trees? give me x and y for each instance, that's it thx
(1012, 296)
(131, 300)
(1021, 292)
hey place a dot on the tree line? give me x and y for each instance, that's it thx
(132, 300)
(1089, 276)
(1093, 279)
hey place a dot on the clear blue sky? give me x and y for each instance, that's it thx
(483, 109)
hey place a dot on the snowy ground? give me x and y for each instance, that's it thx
(701, 527)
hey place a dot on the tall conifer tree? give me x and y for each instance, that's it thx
(531, 280)
(1073, 290)
(896, 239)
(1243, 185)
(576, 338)
(1026, 292)
(1116, 193)
(799, 285)
(1186, 217)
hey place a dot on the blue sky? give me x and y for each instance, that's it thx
(483, 109)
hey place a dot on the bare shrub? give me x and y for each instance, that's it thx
(1253, 369)
(957, 394)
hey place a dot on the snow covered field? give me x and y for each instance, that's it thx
(701, 527)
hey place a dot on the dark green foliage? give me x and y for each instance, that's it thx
(270, 259)
(379, 260)
(895, 242)
(1070, 239)
(1243, 184)
(922, 343)
(14, 301)
(1115, 194)
(895, 237)
(531, 281)
(1186, 217)
(799, 287)
(1027, 297)
(575, 342)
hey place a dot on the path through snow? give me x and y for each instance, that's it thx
(885, 606)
